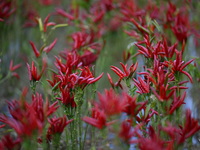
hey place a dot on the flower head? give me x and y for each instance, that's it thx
(32, 71)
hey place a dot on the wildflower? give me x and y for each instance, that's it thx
(82, 39)
(64, 80)
(169, 51)
(6, 9)
(181, 27)
(66, 98)
(25, 123)
(86, 77)
(1, 126)
(145, 118)
(35, 50)
(42, 110)
(181, 133)
(72, 62)
(49, 2)
(131, 106)
(57, 126)
(126, 131)
(98, 118)
(178, 65)
(46, 49)
(117, 84)
(55, 81)
(65, 14)
(32, 71)
(8, 143)
(148, 50)
(110, 102)
(88, 58)
(127, 72)
(191, 126)
(152, 142)
(170, 15)
(13, 68)
(143, 86)
(176, 103)
(30, 18)
(43, 27)
(28, 120)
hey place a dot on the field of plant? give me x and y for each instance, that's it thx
(99, 74)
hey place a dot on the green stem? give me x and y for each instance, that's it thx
(74, 134)
(93, 138)
(79, 127)
(56, 141)
(5, 78)
(83, 142)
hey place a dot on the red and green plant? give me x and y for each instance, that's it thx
(67, 101)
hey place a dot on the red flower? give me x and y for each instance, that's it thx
(180, 134)
(66, 98)
(127, 72)
(126, 131)
(6, 9)
(176, 103)
(143, 86)
(191, 126)
(13, 68)
(72, 62)
(32, 71)
(151, 50)
(181, 28)
(54, 82)
(86, 77)
(171, 12)
(98, 118)
(153, 142)
(169, 51)
(46, 49)
(65, 14)
(145, 118)
(47, 24)
(35, 50)
(8, 143)
(82, 39)
(43, 110)
(57, 126)
(49, 2)
(132, 107)
(28, 119)
(1, 126)
(111, 103)
(25, 123)
(148, 50)
(88, 58)
(117, 84)
(178, 65)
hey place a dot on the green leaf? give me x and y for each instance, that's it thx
(55, 86)
(147, 110)
(59, 25)
(158, 27)
(40, 24)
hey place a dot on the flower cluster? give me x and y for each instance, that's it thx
(143, 104)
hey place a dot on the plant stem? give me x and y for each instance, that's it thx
(5, 78)
(83, 142)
